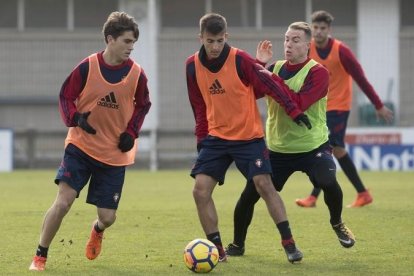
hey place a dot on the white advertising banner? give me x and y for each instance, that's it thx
(381, 149)
(6, 150)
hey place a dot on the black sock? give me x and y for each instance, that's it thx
(97, 229)
(284, 230)
(215, 238)
(42, 251)
(351, 172)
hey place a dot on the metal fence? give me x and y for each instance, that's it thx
(157, 149)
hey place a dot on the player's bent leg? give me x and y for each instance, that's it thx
(243, 214)
(207, 213)
(276, 208)
(106, 217)
(324, 176)
(267, 191)
(202, 193)
(52, 221)
(54, 216)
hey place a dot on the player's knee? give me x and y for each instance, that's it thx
(62, 207)
(263, 184)
(106, 216)
(107, 220)
(339, 152)
(197, 193)
(325, 174)
(200, 193)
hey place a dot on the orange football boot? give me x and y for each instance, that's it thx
(94, 244)
(307, 202)
(38, 263)
(362, 199)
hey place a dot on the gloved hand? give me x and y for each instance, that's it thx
(303, 119)
(81, 120)
(126, 142)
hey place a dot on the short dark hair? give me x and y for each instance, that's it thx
(118, 23)
(302, 26)
(213, 23)
(322, 16)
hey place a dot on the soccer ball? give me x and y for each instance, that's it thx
(201, 255)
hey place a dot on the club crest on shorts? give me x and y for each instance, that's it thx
(116, 197)
(258, 163)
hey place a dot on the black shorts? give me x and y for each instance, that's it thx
(285, 164)
(106, 182)
(216, 155)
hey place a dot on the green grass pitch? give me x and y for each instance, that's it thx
(157, 218)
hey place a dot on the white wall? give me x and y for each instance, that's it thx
(146, 54)
(378, 46)
(145, 50)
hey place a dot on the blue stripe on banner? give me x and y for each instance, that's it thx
(382, 157)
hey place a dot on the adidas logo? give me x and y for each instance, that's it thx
(216, 88)
(109, 101)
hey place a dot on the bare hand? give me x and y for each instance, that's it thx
(385, 113)
(264, 51)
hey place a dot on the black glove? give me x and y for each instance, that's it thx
(126, 142)
(81, 120)
(303, 119)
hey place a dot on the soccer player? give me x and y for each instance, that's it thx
(103, 102)
(222, 81)
(291, 148)
(343, 67)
